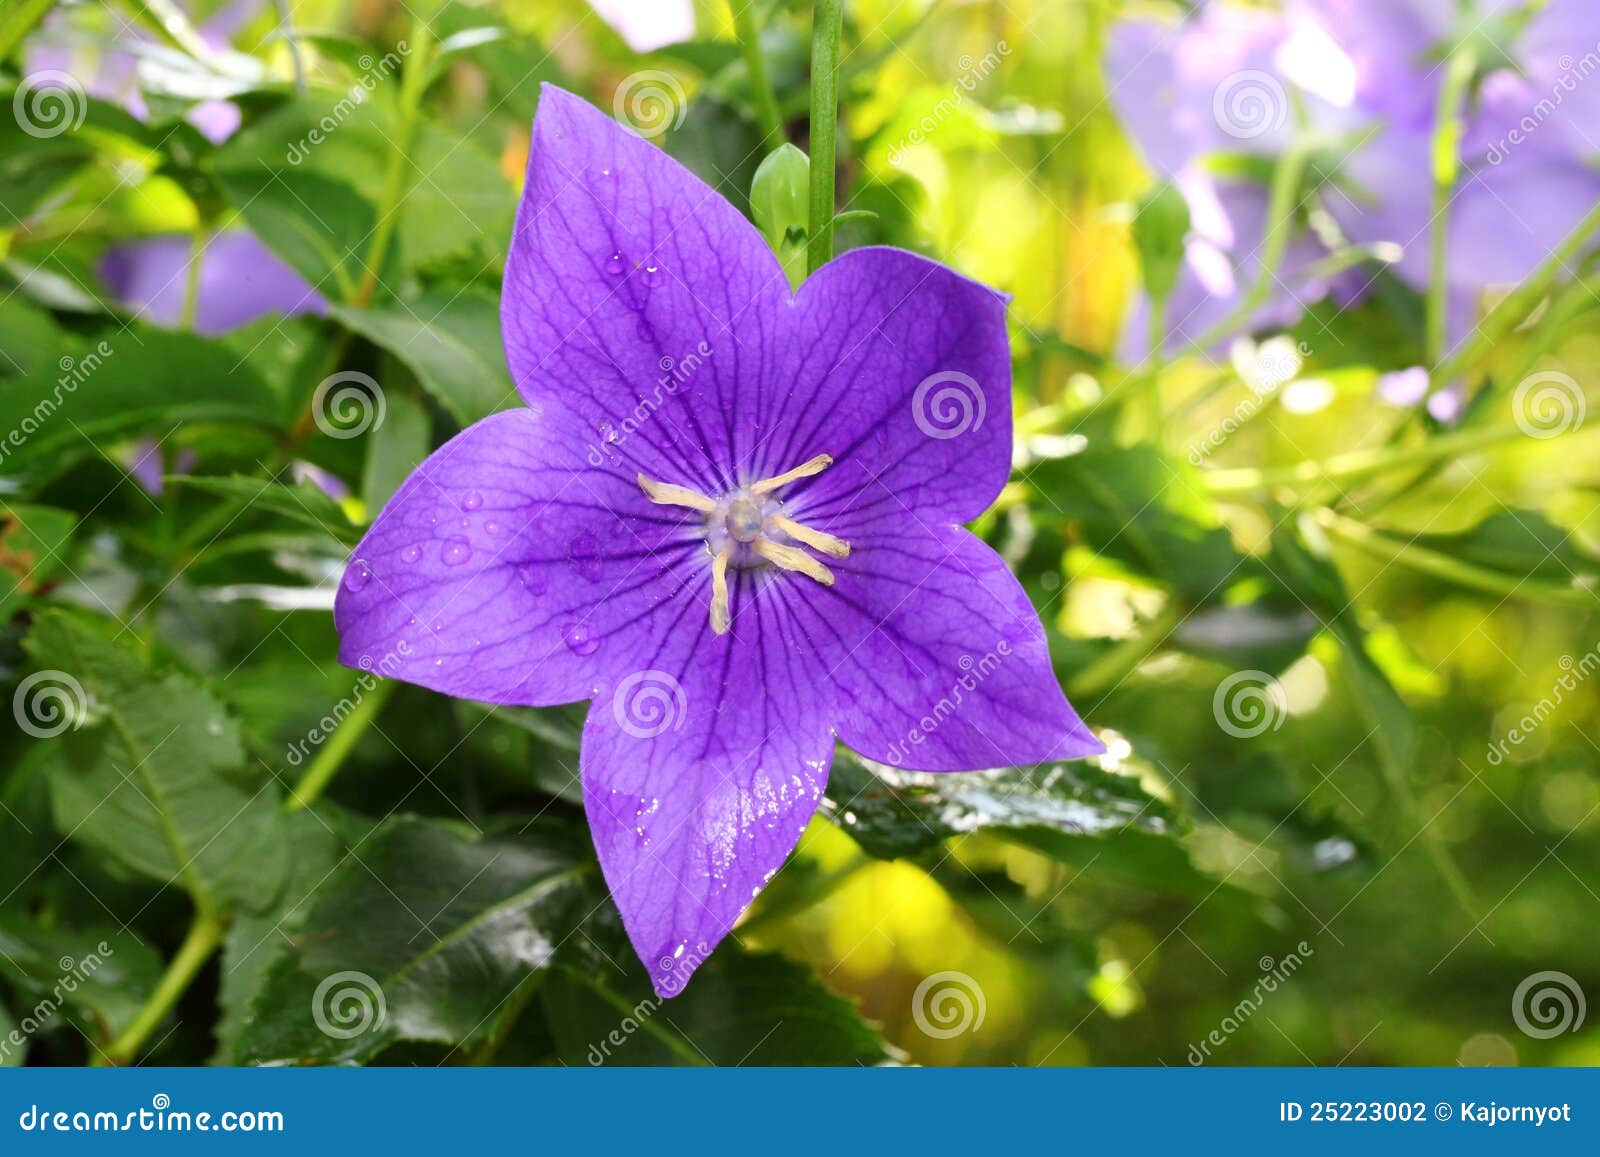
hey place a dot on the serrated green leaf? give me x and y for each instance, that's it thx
(32, 541)
(150, 773)
(423, 934)
(893, 813)
(395, 449)
(95, 978)
(451, 342)
(303, 502)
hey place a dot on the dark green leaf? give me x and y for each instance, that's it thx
(32, 542)
(303, 502)
(95, 978)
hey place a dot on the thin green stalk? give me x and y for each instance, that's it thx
(339, 745)
(1110, 669)
(827, 24)
(1359, 463)
(761, 90)
(1447, 567)
(20, 22)
(1446, 163)
(413, 85)
(1152, 370)
(205, 934)
(191, 280)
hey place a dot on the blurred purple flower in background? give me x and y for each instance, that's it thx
(646, 25)
(1361, 80)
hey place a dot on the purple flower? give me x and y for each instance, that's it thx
(646, 25)
(729, 515)
(240, 280)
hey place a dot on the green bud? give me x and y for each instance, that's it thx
(779, 202)
(1159, 231)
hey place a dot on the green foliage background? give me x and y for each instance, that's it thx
(1411, 602)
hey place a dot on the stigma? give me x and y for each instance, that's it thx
(746, 529)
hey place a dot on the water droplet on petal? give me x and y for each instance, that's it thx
(652, 275)
(584, 554)
(472, 501)
(615, 265)
(491, 527)
(411, 553)
(580, 640)
(357, 576)
(534, 580)
(456, 551)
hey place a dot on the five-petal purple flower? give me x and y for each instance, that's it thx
(729, 515)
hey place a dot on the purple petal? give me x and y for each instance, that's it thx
(647, 25)
(939, 656)
(639, 299)
(508, 569)
(1404, 387)
(700, 769)
(240, 280)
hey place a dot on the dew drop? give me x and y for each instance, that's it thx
(652, 275)
(615, 265)
(580, 640)
(472, 501)
(456, 551)
(491, 527)
(535, 581)
(411, 553)
(357, 576)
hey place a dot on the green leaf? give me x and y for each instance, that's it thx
(1143, 509)
(304, 502)
(135, 381)
(395, 449)
(424, 933)
(150, 772)
(893, 813)
(741, 1008)
(12, 1053)
(318, 224)
(1522, 544)
(451, 342)
(32, 540)
(94, 978)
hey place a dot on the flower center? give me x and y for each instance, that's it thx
(747, 529)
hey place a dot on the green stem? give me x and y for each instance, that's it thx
(1359, 463)
(1152, 370)
(1447, 567)
(827, 24)
(339, 745)
(1446, 162)
(413, 85)
(1287, 180)
(1122, 660)
(205, 934)
(761, 90)
(645, 1019)
(191, 281)
(19, 23)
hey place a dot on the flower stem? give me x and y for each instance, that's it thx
(1446, 162)
(339, 745)
(762, 94)
(21, 22)
(413, 84)
(205, 934)
(1359, 463)
(191, 281)
(827, 23)
(1447, 567)
(1152, 372)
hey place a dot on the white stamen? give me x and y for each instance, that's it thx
(667, 494)
(721, 619)
(790, 558)
(815, 539)
(805, 470)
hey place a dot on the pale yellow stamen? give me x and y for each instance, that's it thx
(789, 558)
(805, 470)
(815, 539)
(666, 494)
(720, 617)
